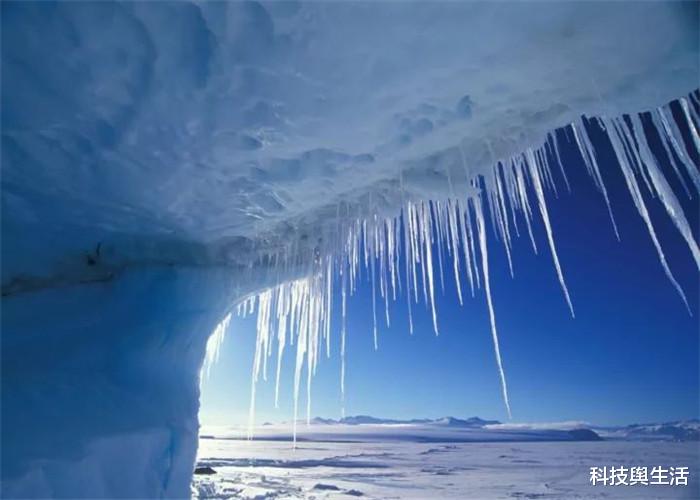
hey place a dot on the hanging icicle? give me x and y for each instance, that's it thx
(298, 313)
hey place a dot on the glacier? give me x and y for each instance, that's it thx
(166, 165)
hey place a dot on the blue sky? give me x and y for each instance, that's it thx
(630, 355)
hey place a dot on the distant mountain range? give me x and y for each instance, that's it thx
(682, 430)
(445, 421)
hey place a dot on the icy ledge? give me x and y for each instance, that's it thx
(400, 249)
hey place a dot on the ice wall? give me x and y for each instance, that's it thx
(100, 384)
(159, 159)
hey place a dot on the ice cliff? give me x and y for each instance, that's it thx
(163, 161)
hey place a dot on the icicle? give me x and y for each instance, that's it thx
(300, 310)
(690, 110)
(461, 221)
(631, 149)
(470, 237)
(668, 198)
(413, 236)
(535, 176)
(384, 285)
(428, 262)
(374, 305)
(503, 218)
(694, 97)
(524, 201)
(365, 239)
(397, 252)
(391, 254)
(495, 213)
(454, 239)
(510, 191)
(674, 137)
(691, 124)
(281, 339)
(408, 261)
(214, 342)
(261, 343)
(309, 372)
(546, 170)
(342, 344)
(559, 162)
(487, 288)
(641, 206)
(438, 228)
(327, 311)
(658, 126)
(422, 246)
(588, 153)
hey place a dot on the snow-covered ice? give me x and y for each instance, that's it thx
(419, 461)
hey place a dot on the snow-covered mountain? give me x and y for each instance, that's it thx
(469, 422)
(444, 421)
(682, 430)
(365, 428)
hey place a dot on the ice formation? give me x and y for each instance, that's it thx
(302, 308)
(163, 161)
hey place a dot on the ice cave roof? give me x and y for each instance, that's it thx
(209, 124)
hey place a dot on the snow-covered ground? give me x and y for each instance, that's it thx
(429, 460)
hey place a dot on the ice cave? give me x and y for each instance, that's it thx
(168, 164)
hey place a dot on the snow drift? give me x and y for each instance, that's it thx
(163, 162)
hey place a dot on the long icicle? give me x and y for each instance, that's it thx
(639, 203)
(343, 331)
(524, 201)
(674, 137)
(535, 176)
(428, 262)
(658, 126)
(465, 244)
(668, 198)
(408, 261)
(481, 230)
(454, 239)
(588, 153)
(374, 302)
(281, 339)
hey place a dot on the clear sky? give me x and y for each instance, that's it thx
(631, 355)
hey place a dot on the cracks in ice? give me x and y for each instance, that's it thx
(299, 311)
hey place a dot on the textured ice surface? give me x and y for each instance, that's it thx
(190, 132)
(100, 395)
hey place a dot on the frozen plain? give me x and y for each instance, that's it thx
(423, 461)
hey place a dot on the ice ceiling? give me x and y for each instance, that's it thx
(209, 131)
(165, 161)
